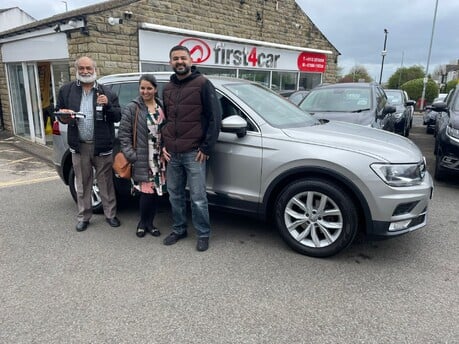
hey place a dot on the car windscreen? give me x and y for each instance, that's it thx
(394, 98)
(273, 108)
(339, 99)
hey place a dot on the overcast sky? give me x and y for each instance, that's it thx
(354, 27)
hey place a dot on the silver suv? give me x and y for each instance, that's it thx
(320, 183)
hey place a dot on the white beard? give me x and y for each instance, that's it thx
(86, 79)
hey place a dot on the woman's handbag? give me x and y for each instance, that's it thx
(121, 165)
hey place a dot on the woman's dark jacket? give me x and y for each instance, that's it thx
(193, 114)
(139, 156)
(104, 131)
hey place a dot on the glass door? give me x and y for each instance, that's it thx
(25, 101)
(18, 100)
(38, 132)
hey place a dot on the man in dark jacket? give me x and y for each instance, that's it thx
(193, 118)
(91, 139)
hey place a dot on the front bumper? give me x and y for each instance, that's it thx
(404, 212)
(449, 148)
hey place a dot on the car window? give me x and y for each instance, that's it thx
(381, 99)
(273, 108)
(126, 92)
(230, 109)
(296, 97)
(129, 90)
(455, 98)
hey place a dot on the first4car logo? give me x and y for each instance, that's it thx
(199, 50)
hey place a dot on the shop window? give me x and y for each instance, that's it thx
(309, 80)
(285, 81)
(255, 75)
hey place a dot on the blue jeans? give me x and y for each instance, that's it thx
(183, 168)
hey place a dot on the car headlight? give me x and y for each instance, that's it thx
(398, 115)
(453, 133)
(400, 174)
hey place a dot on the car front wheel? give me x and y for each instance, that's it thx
(316, 217)
(95, 196)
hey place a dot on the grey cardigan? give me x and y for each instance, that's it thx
(139, 156)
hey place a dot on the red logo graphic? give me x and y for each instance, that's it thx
(199, 50)
(312, 62)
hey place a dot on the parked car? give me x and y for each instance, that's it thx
(447, 136)
(319, 183)
(411, 107)
(402, 117)
(430, 116)
(359, 103)
(297, 96)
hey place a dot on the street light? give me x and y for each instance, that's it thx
(383, 53)
(428, 58)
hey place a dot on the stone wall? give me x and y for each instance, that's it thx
(4, 99)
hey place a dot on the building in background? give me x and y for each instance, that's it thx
(272, 42)
(13, 17)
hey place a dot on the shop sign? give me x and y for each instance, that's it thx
(209, 52)
(312, 62)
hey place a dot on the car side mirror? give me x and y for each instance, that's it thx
(439, 106)
(387, 110)
(410, 103)
(234, 124)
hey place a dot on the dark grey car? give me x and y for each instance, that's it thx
(319, 183)
(360, 103)
(402, 117)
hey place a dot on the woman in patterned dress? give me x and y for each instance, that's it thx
(149, 166)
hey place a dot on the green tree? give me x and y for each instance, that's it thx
(356, 74)
(450, 85)
(414, 89)
(405, 74)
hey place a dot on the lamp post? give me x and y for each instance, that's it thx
(383, 53)
(428, 58)
(65, 3)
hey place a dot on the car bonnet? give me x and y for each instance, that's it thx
(377, 143)
(363, 118)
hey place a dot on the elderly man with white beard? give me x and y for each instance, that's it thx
(90, 138)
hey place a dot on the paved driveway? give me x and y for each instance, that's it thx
(22, 162)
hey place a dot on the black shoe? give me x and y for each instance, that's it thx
(203, 244)
(82, 226)
(172, 238)
(140, 232)
(154, 231)
(114, 222)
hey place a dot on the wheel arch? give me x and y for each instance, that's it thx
(281, 181)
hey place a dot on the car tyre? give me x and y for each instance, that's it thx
(407, 131)
(439, 173)
(95, 198)
(316, 217)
